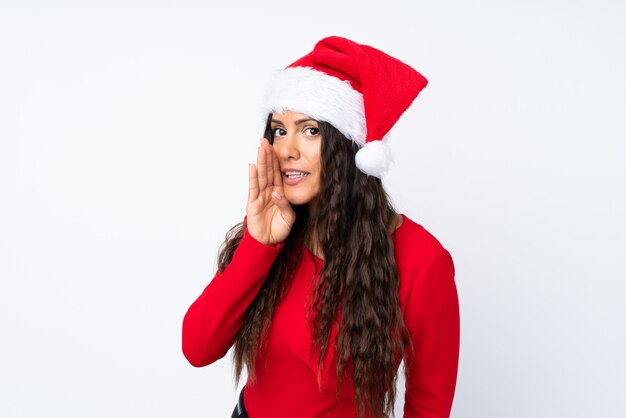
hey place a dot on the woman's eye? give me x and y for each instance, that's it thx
(279, 132)
(312, 131)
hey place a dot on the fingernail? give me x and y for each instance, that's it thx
(277, 195)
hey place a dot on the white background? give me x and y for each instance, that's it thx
(125, 130)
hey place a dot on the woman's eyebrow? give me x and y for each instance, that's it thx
(298, 122)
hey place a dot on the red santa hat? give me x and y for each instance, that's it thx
(358, 89)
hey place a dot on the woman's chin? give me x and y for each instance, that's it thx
(297, 198)
(297, 201)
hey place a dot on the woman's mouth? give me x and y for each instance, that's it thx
(291, 177)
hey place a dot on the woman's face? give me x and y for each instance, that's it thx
(298, 145)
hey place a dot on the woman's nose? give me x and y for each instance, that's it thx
(287, 148)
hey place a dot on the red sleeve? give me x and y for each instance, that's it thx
(432, 317)
(212, 321)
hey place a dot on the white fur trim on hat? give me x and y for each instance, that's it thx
(374, 158)
(320, 96)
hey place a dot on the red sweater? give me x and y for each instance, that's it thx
(286, 383)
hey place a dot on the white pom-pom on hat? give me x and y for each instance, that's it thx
(374, 158)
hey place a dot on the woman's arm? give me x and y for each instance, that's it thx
(432, 317)
(213, 320)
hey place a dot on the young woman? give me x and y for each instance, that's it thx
(324, 288)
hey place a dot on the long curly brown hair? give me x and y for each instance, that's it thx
(359, 278)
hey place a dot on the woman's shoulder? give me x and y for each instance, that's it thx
(416, 248)
(411, 237)
(418, 255)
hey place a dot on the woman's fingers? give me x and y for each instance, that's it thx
(280, 201)
(253, 187)
(286, 211)
(278, 178)
(269, 153)
(261, 159)
(266, 172)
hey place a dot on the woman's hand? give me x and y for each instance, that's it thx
(269, 214)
